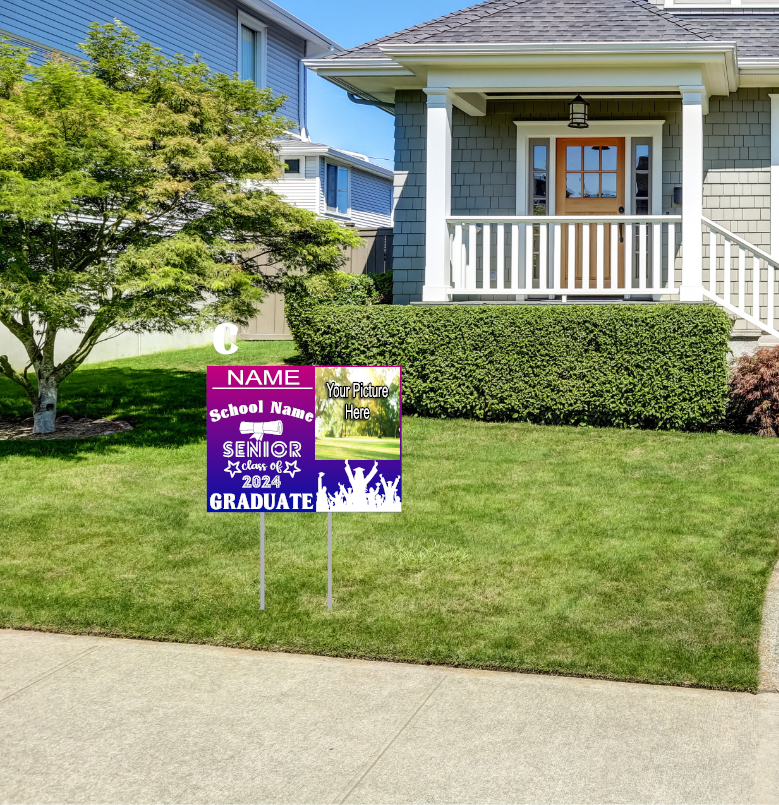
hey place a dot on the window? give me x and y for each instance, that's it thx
(642, 153)
(337, 188)
(293, 166)
(251, 49)
(640, 199)
(539, 199)
(539, 173)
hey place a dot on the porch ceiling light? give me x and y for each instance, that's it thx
(578, 113)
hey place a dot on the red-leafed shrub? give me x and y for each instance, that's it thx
(754, 392)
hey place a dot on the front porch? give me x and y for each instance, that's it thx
(522, 258)
(648, 245)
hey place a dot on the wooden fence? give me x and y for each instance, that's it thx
(375, 257)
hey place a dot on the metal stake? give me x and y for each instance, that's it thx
(262, 560)
(329, 560)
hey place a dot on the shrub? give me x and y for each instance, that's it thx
(383, 283)
(754, 393)
(340, 288)
(653, 366)
(334, 288)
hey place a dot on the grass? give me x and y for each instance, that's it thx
(618, 554)
(359, 448)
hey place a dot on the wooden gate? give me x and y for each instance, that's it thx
(375, 257)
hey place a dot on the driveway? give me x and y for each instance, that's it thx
(85, 719)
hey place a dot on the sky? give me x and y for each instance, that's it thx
(332, 118)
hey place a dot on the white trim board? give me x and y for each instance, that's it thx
(774, 247)
(554, 129)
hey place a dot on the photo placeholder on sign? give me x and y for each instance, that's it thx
(358, 438)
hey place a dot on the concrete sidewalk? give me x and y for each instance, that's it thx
(86, 719)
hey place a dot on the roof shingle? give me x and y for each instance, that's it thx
(755, 34)
(537, 21)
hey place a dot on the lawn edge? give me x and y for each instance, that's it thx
(376, 658)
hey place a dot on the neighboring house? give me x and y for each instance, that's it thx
(336, 184)
(255, 38)
(661, 183)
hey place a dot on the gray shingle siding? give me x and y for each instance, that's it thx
(737, 162)
(408, 253)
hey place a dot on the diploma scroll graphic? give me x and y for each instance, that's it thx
(259, 429)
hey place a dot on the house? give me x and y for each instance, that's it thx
(563, 151)
(336, 184)
(258, 39)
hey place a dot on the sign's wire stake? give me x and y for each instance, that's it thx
(329, 560)
(262, 560)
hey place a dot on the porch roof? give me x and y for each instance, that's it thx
(531, 21)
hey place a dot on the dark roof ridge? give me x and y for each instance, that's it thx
(644, 5)
(661, 12)
(462, 17)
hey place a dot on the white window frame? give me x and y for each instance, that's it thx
(261, 55)
(334, 210)
(553, 130)
(301, 171)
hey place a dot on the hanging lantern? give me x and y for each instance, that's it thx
(578, 113)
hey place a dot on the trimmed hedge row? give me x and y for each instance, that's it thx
(647, 366)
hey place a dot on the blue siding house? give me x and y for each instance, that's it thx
(263, 43)
(255, 38)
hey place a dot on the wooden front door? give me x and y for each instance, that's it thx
(591, 181)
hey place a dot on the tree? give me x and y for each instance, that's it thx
(128, 202)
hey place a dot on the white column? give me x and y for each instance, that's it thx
(774, 175)
(694, 106)
(438, 194)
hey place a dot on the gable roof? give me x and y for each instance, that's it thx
(541, 21)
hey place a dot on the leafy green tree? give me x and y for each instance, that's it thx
(129, 202)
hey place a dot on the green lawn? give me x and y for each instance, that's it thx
(359, 448)
(624, 554)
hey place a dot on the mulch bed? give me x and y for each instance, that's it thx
(66, 427)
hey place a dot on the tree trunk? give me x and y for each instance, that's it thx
(45, 406)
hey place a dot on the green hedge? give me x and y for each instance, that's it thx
(648, 366)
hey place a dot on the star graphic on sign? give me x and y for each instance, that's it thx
(291, 468)
(233, 467)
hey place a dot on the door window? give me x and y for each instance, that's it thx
(590, 175)
(591, 171)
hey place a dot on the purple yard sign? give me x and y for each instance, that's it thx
(304, 438)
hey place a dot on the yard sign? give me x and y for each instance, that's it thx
(303, 439)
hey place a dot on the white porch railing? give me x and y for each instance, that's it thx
(594, 255)
(739, 276)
